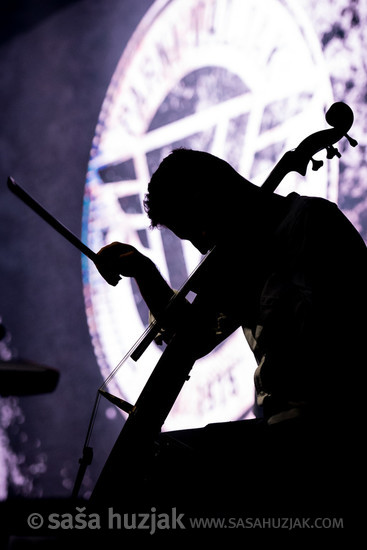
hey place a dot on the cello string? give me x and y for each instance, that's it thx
(127, 355)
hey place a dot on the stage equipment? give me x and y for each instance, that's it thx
(19, 377)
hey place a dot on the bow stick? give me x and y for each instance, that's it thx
(51, 220)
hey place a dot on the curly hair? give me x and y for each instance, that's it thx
(184, 180)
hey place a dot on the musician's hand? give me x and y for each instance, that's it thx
(118, 259)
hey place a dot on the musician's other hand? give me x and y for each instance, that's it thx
(118, 259)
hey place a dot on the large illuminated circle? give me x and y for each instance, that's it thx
(245, 81)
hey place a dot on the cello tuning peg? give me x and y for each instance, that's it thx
(332, 152)
(352, 141)
(316, 164)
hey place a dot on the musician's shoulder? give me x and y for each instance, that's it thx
(312, 205)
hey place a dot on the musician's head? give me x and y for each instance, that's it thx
(191, 192)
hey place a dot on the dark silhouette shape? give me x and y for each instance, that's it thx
(291, 271)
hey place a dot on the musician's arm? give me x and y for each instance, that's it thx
(119, 259)
(154, 289)
(204, 326)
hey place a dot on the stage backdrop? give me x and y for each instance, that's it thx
(94, 95)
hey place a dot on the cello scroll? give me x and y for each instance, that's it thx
(340, 116)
